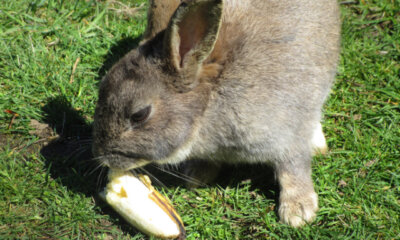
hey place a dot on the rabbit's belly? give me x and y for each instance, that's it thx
(258, 142)
(249, 154)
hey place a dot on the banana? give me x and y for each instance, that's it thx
(136, 200)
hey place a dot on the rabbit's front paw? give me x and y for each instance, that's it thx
(296, 209)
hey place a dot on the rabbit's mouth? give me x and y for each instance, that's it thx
(125, 155)
(127, 161)
(120, 161)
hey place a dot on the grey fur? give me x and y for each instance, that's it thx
(257, 97)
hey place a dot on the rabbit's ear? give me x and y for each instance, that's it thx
(158, 16)
(190, 38)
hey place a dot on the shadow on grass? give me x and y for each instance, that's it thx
(69, 159)
(260, 176)
(69, 156)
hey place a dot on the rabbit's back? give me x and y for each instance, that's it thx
(274, 40)
(279, 61)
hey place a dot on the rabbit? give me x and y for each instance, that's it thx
(225, 81)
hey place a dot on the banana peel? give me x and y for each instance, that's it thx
(136, 200)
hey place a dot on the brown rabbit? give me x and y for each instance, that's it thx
(225, 81)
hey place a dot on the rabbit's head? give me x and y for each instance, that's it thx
(151, 102)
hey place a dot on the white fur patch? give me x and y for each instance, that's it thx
(179, 155)
(182, 153)
(318, 141)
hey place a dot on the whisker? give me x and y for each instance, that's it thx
(96, 159)
(76, 153)
(88, 173)
(84, 140)
(76, 149)
(154, 177)
(100, 178)
(180, 175)
(134, 171)
(80, 141)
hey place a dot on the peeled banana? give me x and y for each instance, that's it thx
(136, 200)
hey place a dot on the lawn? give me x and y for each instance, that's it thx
(52, 56)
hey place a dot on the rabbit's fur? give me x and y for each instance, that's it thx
(232, 81)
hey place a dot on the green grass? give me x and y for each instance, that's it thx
(46, 196)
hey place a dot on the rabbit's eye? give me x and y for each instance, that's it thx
(141, 115)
